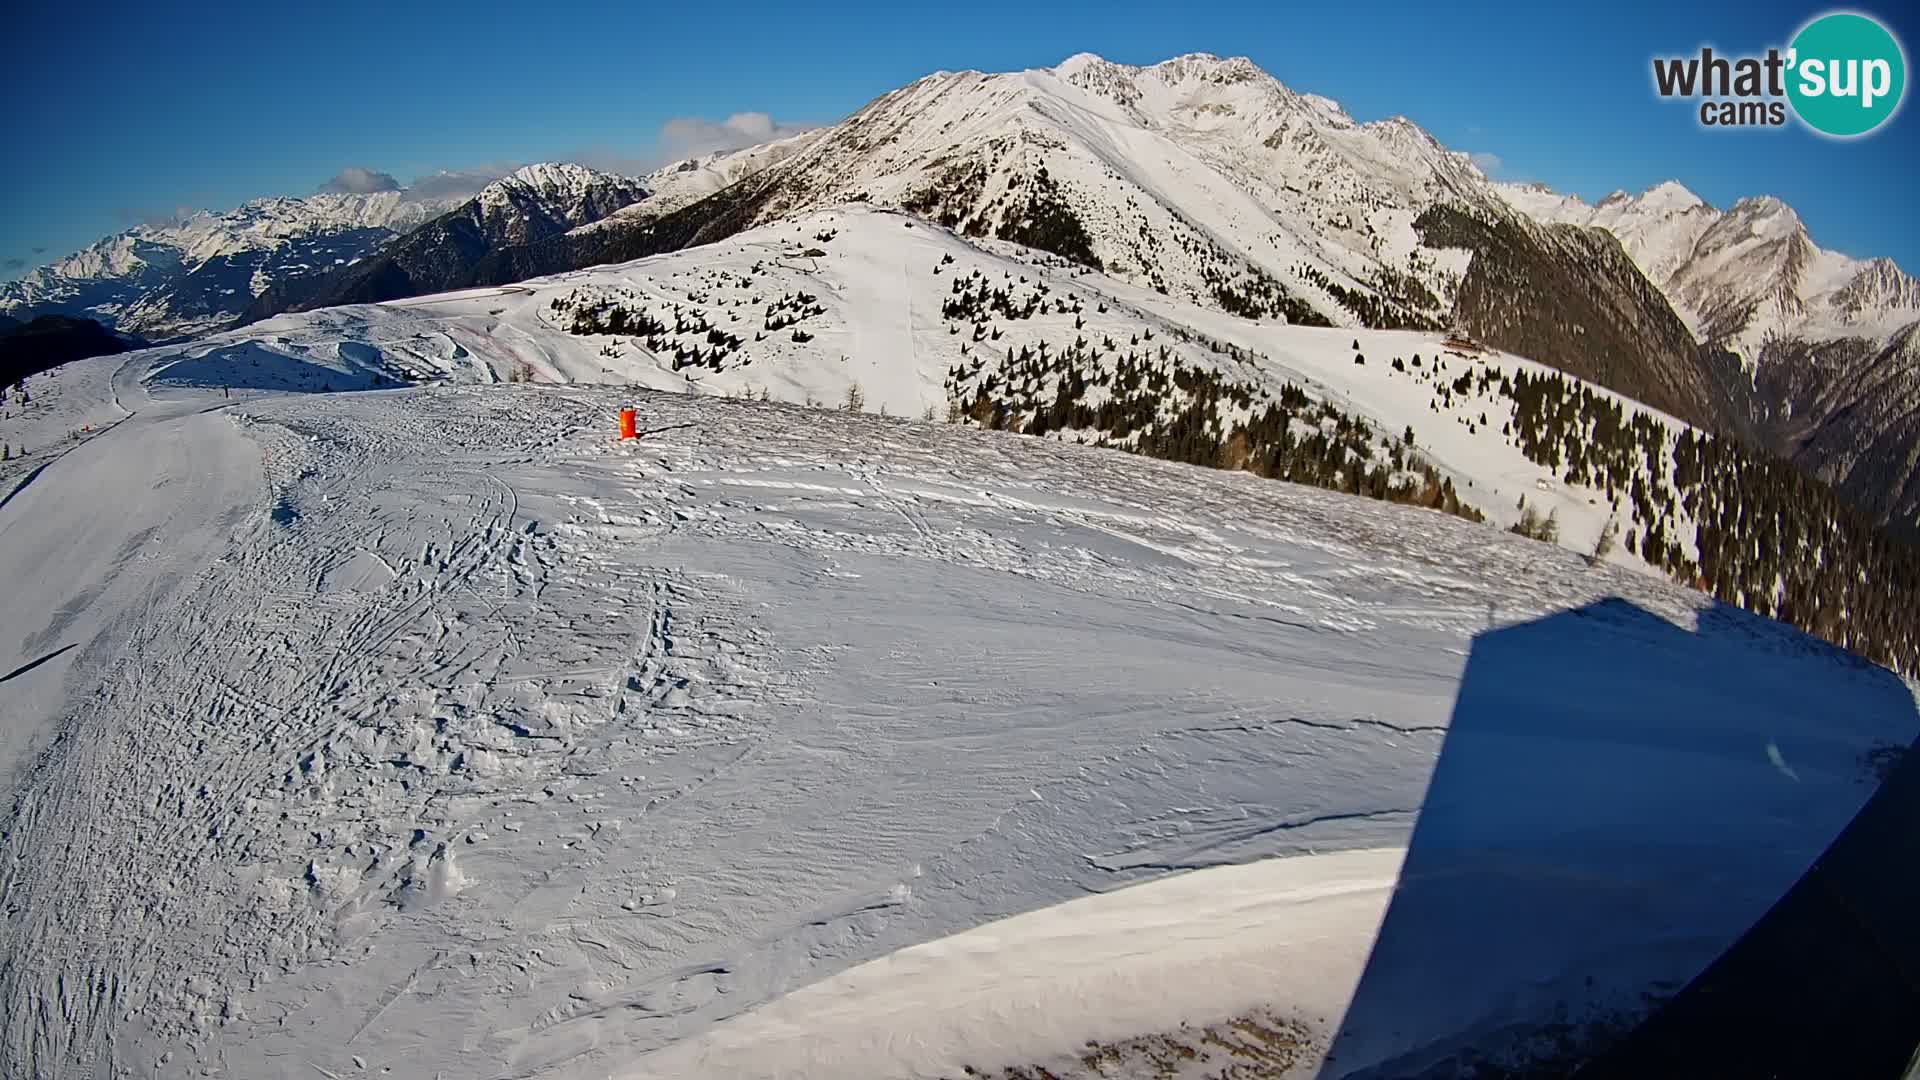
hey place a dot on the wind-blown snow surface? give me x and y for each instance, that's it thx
(432, 731)
(1107, 967)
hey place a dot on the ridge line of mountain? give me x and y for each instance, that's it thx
(1209, 181)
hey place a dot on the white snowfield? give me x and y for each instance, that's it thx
(432, 732)
(879, 287)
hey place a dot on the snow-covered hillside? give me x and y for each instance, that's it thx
(433, 731)
(1211, 183)
(861, 300)
(1202, 175)
(906, 700)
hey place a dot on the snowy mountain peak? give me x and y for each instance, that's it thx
(1402, 134)
(1766, 213)
(1210, 68)
(1080, 63)
(1671, 195)
(551, 197)
(1196, 84)
(1879, 286)
(1328, 110)
(548, 178)
(1100, 77)
(1668, 196)
(1189, 66)
(1741, 277)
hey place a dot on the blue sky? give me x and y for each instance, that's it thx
(122, 111)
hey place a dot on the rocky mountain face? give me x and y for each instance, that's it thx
(189, 277)
(1572, 298)
(1828, 341)
(533, 204)
(1847, 409)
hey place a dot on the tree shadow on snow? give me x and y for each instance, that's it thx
(1617, 801)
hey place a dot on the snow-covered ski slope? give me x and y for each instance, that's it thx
(431, 732)
(872, 307)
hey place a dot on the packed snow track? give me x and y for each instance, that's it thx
(433, 732)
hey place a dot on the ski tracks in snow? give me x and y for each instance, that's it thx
(293, 756)
(493, 746)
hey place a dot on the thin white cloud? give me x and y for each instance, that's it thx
(354, 180)
(456, 183)
(678, 139)
(685, 137)
(690, 136)
(155, 216)
(1488, 163)
(610, 160)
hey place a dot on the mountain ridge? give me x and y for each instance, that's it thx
(1744, 275)
(200, 274)
(1206, 179)
(533, 203)
(179, 278)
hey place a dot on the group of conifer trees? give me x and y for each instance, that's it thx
(1118, 396)
(1764, 536)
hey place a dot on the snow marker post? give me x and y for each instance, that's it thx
(628, 424)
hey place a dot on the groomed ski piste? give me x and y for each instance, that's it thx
(427, 731)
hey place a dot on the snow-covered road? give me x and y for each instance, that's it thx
(433, 732)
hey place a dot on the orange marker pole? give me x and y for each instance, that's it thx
(628, 422)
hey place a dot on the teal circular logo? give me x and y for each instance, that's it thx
(1847, 74)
